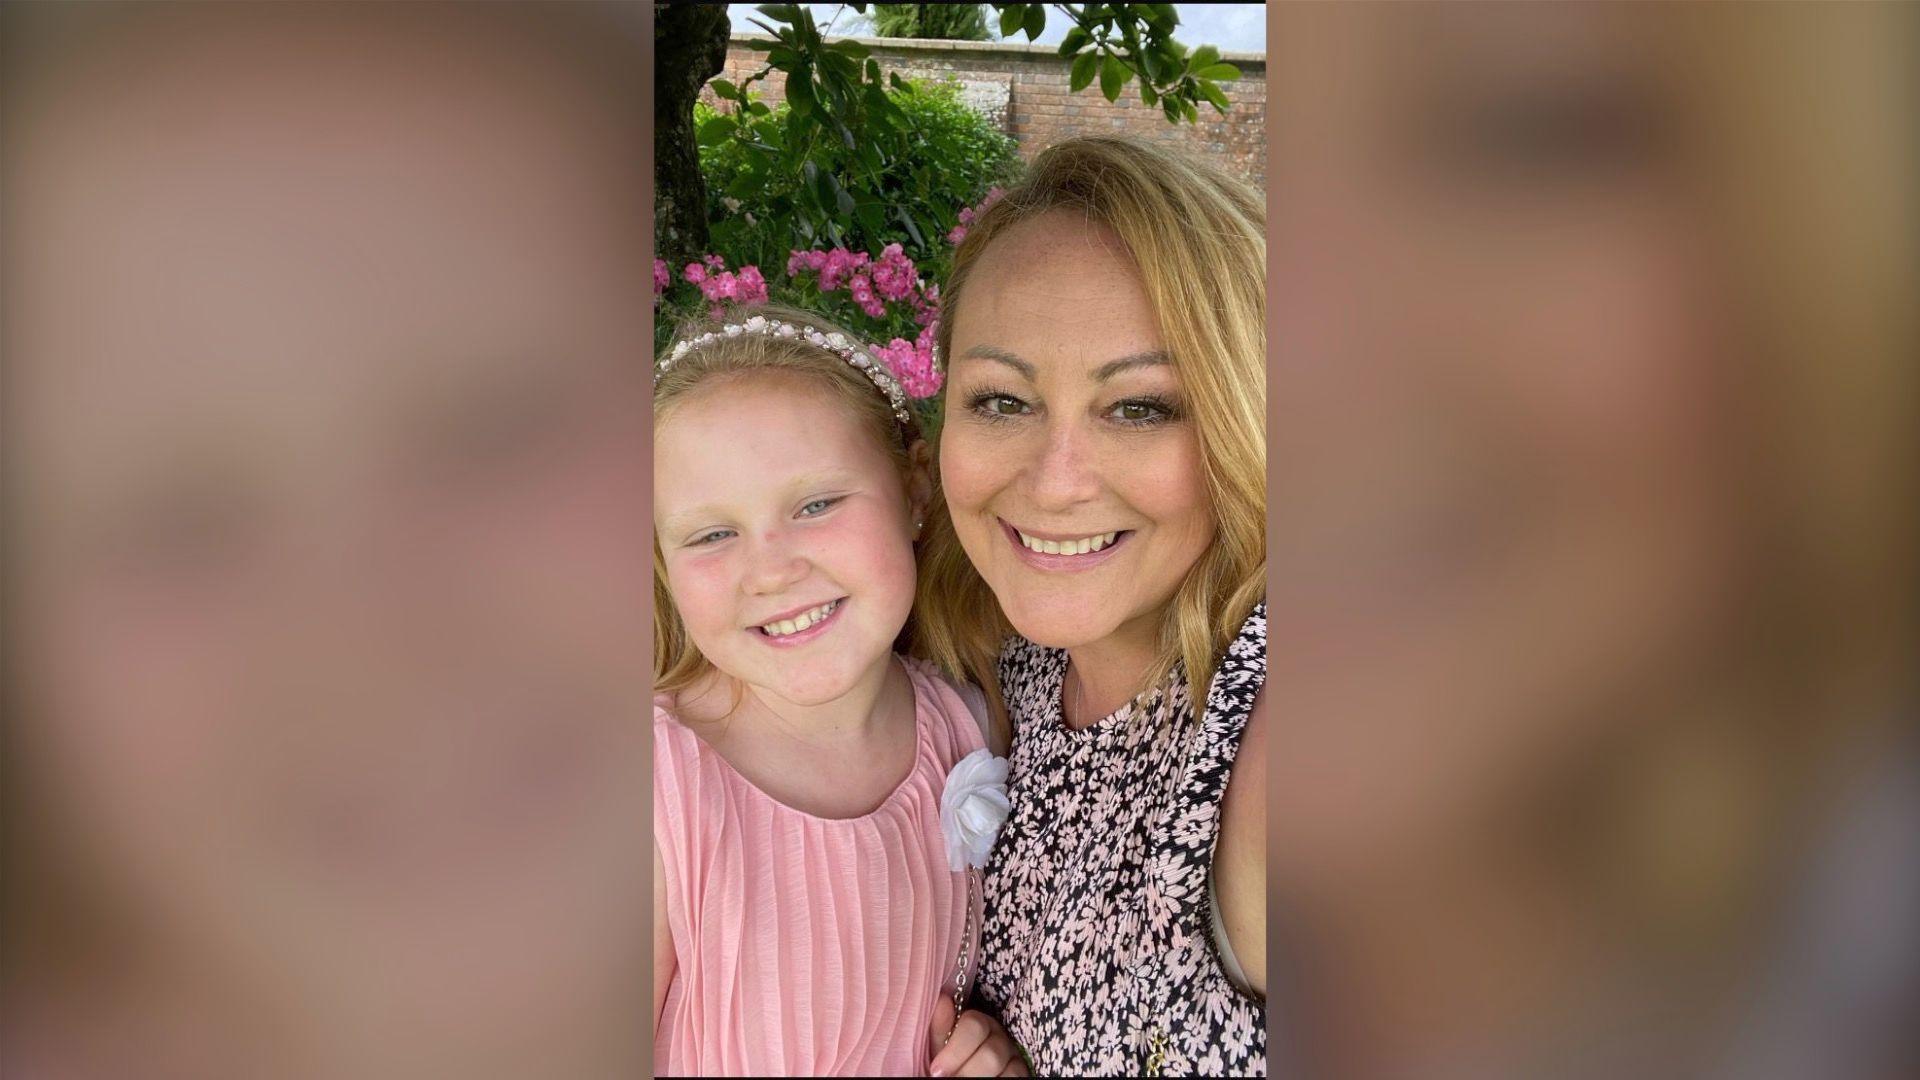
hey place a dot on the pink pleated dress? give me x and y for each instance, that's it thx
(807, 946)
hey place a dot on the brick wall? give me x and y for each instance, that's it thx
(1023, 87)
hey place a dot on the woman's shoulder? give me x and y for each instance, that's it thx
(1030, 674)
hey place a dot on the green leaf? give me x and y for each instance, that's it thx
(906, 220)
(1035, 21)
(1203, 57)
(1213, 95)
(782, 57)
(715, 131)
(1011, 18)
(1147, 95)
(800, 90)
(1113, 75)
(1076, 37)
(725, 89)
(785, 13)
(1163, 16)
(743, 185)
(1084, 66)
(1218, 72)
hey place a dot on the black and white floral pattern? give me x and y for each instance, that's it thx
(1098, 953)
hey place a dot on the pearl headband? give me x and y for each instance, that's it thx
(835, 343)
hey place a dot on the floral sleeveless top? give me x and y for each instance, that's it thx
(1098, 952)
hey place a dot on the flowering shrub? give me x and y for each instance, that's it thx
(922, 154)
(871, 266)
(885, 299)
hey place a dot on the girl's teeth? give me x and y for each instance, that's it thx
(1082, 546)
(799, 622)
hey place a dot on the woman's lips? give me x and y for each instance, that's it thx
(1041, 560)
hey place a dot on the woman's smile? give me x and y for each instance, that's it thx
(1068, 552)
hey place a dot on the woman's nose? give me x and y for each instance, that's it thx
(1064, 473)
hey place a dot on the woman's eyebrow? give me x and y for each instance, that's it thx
(1152, 358)
(994, 352)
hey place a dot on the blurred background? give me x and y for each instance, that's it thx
(1592, 562)
(327, 429)
(1593, 474)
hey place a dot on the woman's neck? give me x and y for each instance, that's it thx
(1104, 675)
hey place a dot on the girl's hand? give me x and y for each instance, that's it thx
(979, 1046)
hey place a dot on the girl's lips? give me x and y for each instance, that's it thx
(802, 637)
(1041, 561)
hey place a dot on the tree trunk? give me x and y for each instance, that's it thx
(689, 47)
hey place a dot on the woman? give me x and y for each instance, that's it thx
(1592, 588)
(1097, 559)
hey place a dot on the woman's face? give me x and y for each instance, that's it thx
(1506, 476)
(334, 578)
(1066, 432)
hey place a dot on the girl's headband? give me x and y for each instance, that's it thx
(835, 343)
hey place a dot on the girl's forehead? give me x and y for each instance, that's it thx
(759, 431)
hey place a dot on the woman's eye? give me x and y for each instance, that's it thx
(998, 405)
(1140, 412)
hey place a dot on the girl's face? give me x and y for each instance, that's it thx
(1065, 430)
(1504, 456)
(787, 535)
(331, 579)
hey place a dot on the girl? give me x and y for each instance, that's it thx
(807, 917)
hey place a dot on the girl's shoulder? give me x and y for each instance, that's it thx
(953, 699)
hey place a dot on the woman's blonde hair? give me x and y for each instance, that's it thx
(1198, 239)
(677, 662)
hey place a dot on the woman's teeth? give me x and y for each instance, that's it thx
(799, 622)
(1081, 546)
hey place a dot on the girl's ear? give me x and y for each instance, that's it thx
(919, 483)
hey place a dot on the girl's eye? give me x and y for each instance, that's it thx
(819, 506)
(712, 537)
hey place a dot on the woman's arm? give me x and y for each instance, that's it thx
(1240, 857)
(663, 959)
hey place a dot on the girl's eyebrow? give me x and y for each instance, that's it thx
(683, 519)
(835, 477)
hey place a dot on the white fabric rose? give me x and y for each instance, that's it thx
(972, 808)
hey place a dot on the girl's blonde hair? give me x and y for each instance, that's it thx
(1198, 240)
(677, 662)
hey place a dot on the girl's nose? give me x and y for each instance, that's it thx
(774, 565)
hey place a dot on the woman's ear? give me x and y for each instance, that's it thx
(919, 483)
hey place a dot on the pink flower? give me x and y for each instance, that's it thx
(662, 277)
(958, 234)
(715, 262)
(694, 273)
(752, 285)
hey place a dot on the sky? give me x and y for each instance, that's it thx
(1228, 27)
